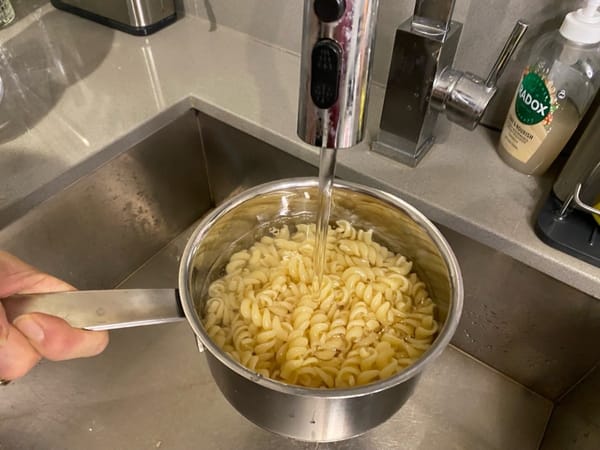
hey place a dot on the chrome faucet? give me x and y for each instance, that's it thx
(337, 46)
(422, 82)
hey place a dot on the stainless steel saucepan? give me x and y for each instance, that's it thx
(317, 415)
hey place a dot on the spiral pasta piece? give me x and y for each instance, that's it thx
(370, 318)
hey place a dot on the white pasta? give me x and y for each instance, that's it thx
(370, 318)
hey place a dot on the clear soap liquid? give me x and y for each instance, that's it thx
(532, 160)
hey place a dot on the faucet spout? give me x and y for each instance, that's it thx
(337, 44)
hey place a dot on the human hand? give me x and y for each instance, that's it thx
(34, 336)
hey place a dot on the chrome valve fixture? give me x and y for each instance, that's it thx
(464, 96)
(422, 83)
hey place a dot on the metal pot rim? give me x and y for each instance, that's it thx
(433, 352)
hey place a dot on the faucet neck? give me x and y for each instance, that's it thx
(433, 16)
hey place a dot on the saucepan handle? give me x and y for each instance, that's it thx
(101, 310)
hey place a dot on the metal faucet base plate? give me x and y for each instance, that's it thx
(393, 147)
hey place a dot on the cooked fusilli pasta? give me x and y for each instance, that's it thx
(370, 317)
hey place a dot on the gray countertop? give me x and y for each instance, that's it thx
(73, 88)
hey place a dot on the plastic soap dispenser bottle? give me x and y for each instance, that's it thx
(558, 85)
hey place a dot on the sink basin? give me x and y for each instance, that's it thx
(124, 223)
(117, 216)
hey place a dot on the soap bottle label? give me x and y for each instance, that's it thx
(530, 116)
(532, 103)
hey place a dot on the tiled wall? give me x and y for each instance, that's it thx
(487, 23)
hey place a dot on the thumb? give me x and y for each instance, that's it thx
(56, 340)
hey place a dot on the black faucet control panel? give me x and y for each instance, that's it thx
(325, 76)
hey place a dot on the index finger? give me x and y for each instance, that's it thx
(18, 277)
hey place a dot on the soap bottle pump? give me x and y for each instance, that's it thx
(557, 87)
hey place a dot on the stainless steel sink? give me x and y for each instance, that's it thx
(122, 220)
(116, 216)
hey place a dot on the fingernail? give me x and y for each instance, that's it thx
(30, 328)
